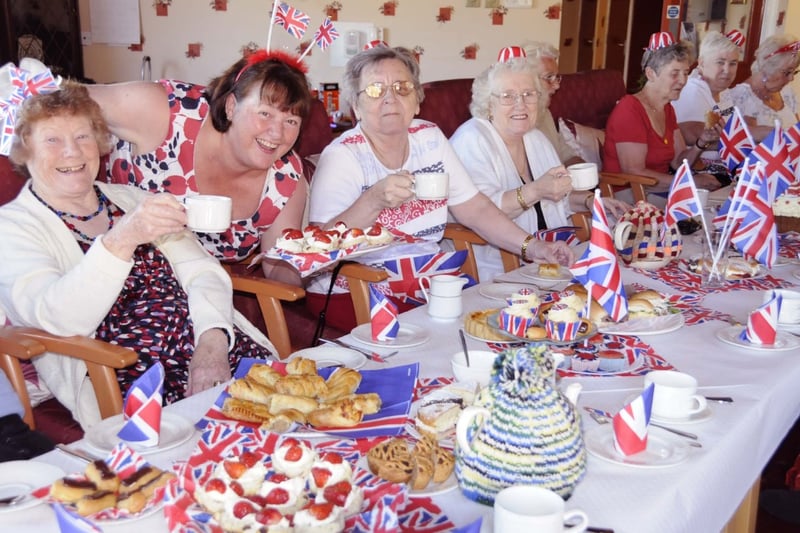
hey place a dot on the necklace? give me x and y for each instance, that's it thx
(104, 205)
(657, 115)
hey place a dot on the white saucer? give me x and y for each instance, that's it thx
(783, 341)
(327, 355)
(532, 272)
(408, 336)
(661, 451)
(501, 291)
(702, 416)
(645, 326)
(23, 477)
(175, 430)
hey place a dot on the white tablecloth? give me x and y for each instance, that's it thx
(700, 494)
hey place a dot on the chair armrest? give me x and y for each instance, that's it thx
(269, 294)
(101, 360)
(359, 276)
(583, 220)
(13, 348)
(464, 238)
(637, 183)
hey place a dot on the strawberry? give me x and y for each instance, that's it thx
(235, 469)
(257, 499)
(277, 496)
(216, 484)
(320, 511)
(277, 477)
(337, 493)
(353, 232)
(242, 509)
(311, 229)
(249, 458)
(375, 230)
(269, 517)
(332, 458)
(294, 454)
(321, 476)
(290, 233)
(290, 442)
(237, 488)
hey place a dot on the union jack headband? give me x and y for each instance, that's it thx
(736, 37)
(660, 40)
(375, 43)
(510, 52)
(262, 55)
(792, 48)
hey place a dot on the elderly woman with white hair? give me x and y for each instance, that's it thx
(766, 95)
(701, 106)
(510, 160)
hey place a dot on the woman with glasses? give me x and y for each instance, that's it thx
(766, 96)
(642, 134)
(233, 138)
(510, 160)
(367, 174)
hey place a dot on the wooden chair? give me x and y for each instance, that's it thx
(612, 181)
(102, 359)
(359, 277)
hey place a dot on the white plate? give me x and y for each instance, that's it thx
(327, 355)
(23, 477)
(759, 274)
(783, 341)
(702, 416)
(408, 336)
(645, 326)
(532, 271)
(175, 430)
(501, 291)
(661, 451)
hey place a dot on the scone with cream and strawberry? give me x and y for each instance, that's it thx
(330, 468)
(343, 494)
(319, 518)
(291, 240)
(247, 470)
(293, 458)
(284, 493)
(378, 235)
(244, 515)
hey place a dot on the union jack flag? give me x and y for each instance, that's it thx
(792, 137)
(598, 269)
(563, 233)
(405, 272)
(142, 408)
(124, 460)
(326, 34)
(735, 142)
(292, 20)
(630, 423)
(754, 233)
(682, 202)
(774, 153)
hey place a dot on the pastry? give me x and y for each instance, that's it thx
(385, 451)
(251, 390)
(140, 478)
(135, 501)
(711, 119)
(282, 402)
(343, 382)
(96, 502)
(342, 414)
(368, 403)
(659, 303)
(246, 411)
(536, 333)
(422, 472)
(70, 490)
(640, 309)
(549, 270)
(102, 476)
(264, 374)
(443, 464)
(305, 385)
(398, 470)
(477, 325)
(301, 365)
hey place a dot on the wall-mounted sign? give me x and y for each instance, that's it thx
(673, 12)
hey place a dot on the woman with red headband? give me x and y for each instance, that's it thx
(232, 138)
(766, 96)
(642, 134)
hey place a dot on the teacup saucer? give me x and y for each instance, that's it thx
(701, 416)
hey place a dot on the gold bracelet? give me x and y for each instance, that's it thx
(521, 199)
(524, 249)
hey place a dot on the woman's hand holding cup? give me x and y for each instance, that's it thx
(393, 190)
(554, 185)
(156, 216)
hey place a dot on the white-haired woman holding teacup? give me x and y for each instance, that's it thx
(511, 161)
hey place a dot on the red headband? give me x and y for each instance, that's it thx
(278, 55)
(789, 48)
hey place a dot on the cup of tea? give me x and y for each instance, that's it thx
(584, 176)
(531, 508)
(431, 185)
(790, 306)
(675, 394)
(208, 213)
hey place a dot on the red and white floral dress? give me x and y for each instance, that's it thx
(170, 168)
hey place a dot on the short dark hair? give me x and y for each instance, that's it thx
(656, 59)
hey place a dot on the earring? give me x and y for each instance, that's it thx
(490, 117)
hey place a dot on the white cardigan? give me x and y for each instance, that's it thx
(47, 282)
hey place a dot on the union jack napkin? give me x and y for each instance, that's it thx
(630, 424)
(142, 408)
(383, 316)
(762, 324)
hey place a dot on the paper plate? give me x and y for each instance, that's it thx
(23, 477)
(175, 430)
(327, 355)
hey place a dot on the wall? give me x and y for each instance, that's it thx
(224, 33)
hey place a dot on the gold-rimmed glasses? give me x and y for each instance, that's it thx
(378, 89)
(509, 98)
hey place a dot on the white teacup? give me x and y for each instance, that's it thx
(584, 176)
(675, 394)
(442, 285)
(208, 213)
(531, 508)
(431, 185)
(790, 306)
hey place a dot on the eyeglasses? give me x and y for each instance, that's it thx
(378, 90)
(551, 78)
(528, 97)
(790, 73)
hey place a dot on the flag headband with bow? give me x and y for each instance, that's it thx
(17, 84)
(511, 52)
(659, 40)
(375, 43)
(259, 56)
(736, 37)
(791, 48)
